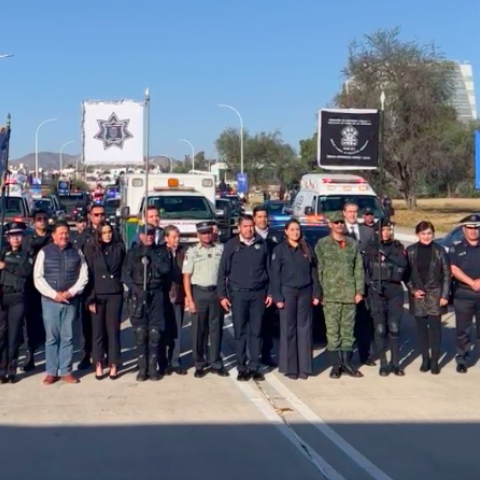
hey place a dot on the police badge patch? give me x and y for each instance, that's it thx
(113, 132)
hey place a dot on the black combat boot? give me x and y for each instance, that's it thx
(29, 361)
(336, 371)
(12, 372)
(142, 368)
(384, 369)
(153, 372)
(395, 348)
(347, 366)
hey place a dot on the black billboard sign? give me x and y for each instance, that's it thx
(348, 139)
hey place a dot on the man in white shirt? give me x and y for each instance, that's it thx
(60, 275)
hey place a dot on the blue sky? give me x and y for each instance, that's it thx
(276, 61)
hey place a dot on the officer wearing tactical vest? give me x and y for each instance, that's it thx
(146, 274)
(200, 273)
(60, 275)
(16, 265)
(465, 260)
(385, 266)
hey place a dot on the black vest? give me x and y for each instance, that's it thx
(12, 283)
(61, 267)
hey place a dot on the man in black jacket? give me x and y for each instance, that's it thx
(34, 331)
(386, 262)
(243, 284)
(260, 216)
(149, 262)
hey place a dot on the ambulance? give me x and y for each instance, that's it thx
(182, 200)
(321, 194)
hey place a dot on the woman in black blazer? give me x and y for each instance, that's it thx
(105, 257)
(429, 283)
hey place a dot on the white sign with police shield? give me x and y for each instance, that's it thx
(113, 132)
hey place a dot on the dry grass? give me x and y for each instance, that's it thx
(444, 213)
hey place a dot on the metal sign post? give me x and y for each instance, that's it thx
(4, 153)
(147, 172)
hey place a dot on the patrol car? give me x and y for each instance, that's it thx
(313, 228)
(321, 194)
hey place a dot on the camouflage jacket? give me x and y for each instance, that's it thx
(340, 269)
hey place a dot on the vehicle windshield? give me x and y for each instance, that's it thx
(182, 207)
(15, 206)
(112, 206)
(70, 201)
(43, 204)
(335, 203)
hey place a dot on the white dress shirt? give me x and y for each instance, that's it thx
(352, 228)
(262, 233)
(46, 290)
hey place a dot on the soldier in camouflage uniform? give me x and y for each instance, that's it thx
(341, 273)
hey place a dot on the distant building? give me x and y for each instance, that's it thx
(463, 99)
(464, 95)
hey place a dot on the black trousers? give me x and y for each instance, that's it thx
(106, 328)
(34, 329)
(12, 310)
(87, 329)
(429, 332)
(171, 341)
(206, 322)
(387, 312)
(268, 332)
(363, 331)
(295, 354)
(248, 308)
(149, 325)
(465, 311)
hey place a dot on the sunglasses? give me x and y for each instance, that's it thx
(98, 214)
(340, 222)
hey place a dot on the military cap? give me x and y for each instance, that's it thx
(472, 221)
(204, 227)
(80, 217)
(387, 224)
(336, 217)
(13, 228)
(367, 211)
(211, 223)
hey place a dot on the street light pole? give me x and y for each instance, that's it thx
(61, 153)
(36, 142)
(170, 160)
(241, 132)
(193, 152)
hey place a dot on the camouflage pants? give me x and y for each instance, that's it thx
(340, 323)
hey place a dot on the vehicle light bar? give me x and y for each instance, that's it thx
(169, 189)
(344, 180)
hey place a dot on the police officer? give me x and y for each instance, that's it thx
(260, 217)
(147, 308)
(16, 266)
(33, 242)
(77, 236)
(341, 274)
(200, 274)
(386, 263)
(465, 260)
(244, 269)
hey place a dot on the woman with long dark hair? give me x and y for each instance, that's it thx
(429, 289)
(295, 289)
(105, 297)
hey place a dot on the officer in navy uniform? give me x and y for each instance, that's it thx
(465, 260)
(270, 318)
(200, 273)
(77, 236)
(243, 287)
(33, 242)
(147, 305)
(16, 265)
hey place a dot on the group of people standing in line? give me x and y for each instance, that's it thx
(49, 278)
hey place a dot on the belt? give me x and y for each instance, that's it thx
(258, 289)
(211, 288)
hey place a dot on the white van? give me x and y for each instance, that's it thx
(324, 193)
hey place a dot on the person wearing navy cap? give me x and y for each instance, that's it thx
(147, 299)
(16, 265)
(465, 259)
(200, 272)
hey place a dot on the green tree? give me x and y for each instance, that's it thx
(267, 158)
(418, 84)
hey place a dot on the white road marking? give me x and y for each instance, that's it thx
(267, 409)
(320, 425)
